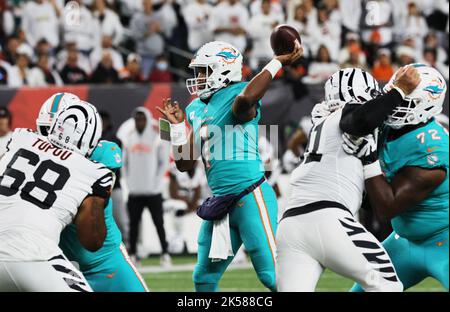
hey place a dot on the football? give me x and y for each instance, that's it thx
(282, 39)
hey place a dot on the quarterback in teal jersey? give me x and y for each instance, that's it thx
(109, 269)
(224, 131)
(413, 192)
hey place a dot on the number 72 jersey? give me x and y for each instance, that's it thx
(327, 172)
(41, 188)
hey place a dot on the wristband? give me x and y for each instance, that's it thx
(273, 67)
(372, 170)
(402, 94)
(178, 134)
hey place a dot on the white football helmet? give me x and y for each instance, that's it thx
(51, 106)
(423, 103)
(351, 85)
(222, 64)
(77, 127)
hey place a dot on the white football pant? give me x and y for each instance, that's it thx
(330, 238)
(55, 275)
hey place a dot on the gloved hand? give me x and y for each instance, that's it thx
(364, 148)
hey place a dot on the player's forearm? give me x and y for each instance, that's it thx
(383, 198)
(360, 120)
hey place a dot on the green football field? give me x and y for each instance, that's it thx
(246, 280)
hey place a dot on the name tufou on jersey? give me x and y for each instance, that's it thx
(41, 188)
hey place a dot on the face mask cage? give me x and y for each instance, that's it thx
(43, 130)
(403, 115)
(199, 86)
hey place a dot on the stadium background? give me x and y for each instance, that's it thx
(290, 98)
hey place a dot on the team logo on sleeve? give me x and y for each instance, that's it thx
(432, 159)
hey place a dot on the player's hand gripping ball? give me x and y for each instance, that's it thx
(283, 39)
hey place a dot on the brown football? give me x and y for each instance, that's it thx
(282, 39)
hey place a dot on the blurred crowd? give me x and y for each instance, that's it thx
(56, 42)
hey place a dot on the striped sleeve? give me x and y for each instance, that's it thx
(103, 186)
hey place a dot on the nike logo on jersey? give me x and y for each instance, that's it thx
(112, 274)
(432, 149)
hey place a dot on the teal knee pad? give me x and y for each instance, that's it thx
(205, 281)
(268, 279)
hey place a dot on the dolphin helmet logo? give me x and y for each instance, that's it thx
(228, 55)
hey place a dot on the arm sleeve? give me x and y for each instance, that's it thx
(360, 120)
(103, 186)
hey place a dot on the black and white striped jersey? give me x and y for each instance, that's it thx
(41, 188)
(327, 173)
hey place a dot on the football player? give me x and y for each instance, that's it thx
(409, 181)
(45, 184)
(109, 268)
(318, 230)
(224, 119)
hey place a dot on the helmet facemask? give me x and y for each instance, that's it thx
(200, 85)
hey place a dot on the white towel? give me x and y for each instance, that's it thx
(221, 247)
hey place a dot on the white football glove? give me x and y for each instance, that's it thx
(364, 148)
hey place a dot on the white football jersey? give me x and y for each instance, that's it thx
(41, 188)
(327, 172)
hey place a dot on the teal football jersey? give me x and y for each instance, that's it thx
(229, 148)
(425, 147)
(109, 154)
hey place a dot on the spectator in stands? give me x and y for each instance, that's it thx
(49, 75)
(161, 72)
(107, 46)
(323, 31)
(300, 22)
(40, 20)
(132, 71)
(377, 26)
(351, 11)
(4, 72)
(332, 7)
(383, 69)
(431, 42)
(405, 56)
(19, 74)
(430, 58)
(83, 29)
(146, 31)
(414, 24)
(196, 15)
(10, 53)
(260, 28)
(82, 60)
(43, 47)
(276, 8)
(109, 22)
(71, 73)
(322, 67)
(354, 57)
(351, 42)
(6, 22)
(166, 14)
(105, 72)
(229, 23)
(146, 161)
(5, 129)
